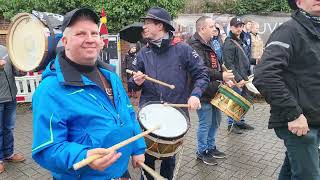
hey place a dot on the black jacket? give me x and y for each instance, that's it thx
(207, 53)
(235, 58)
(289, 74)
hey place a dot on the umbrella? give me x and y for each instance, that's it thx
(132, 32)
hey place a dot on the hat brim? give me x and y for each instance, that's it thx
(293, 4)
(171, 28)
(238, 24)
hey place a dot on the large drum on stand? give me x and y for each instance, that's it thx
(31, 44)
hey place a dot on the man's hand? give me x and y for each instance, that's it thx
(230, 83)
(241, 83)
(299, 126)
(194, 103)
(139, 78)
(2, 63)
(227, 76)
(136, 159)
(105, 161)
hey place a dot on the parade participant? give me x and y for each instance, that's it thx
(235, 59)
(171, 63)
(8, 107)
(288, 77)
(81, 107)
(209, 115)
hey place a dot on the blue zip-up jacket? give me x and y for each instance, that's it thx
(173, 64)
(71, 115)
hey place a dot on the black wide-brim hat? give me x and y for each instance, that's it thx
(293, 4)
(161, 15)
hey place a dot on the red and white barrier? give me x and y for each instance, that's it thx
(26, 86)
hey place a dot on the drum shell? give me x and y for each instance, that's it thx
(231, 103)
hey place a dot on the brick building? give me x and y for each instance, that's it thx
(3, 30)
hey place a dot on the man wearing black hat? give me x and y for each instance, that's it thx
(169, 62)
(81, 107)
(289, 79)
(235, 59)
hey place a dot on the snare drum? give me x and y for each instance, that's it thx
(30, 44)
(166, 141)
(231, 103)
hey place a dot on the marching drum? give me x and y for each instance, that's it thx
(174, 124)
(30, 43)
(231, 103)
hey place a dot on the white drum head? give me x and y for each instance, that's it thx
(27, 42)
(172, 122)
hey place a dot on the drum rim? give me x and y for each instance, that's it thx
(158, 136)
(248, 103)
(14, 22)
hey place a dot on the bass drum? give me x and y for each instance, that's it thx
(31, 45)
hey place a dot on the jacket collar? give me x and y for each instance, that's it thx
(305, 22)
(165, 44)
(69, 75)
(197, 38)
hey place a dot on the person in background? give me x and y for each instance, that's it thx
(217, 41)
(246, 37)
(127, 64)
(257, 45)
(8, 107)
(289, 79)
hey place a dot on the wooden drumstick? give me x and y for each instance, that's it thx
(153, 80)
(90, 159)
(177, 105)
(224, 68)
(152, 172)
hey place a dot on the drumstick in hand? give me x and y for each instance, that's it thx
(224, 68)
(153, 80)
(90, 159)
(177, 105)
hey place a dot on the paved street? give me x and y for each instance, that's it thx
(254, 155)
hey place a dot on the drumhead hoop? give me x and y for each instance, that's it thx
(27, 42)
(174, 123)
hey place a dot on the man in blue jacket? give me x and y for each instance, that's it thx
(172, 63)
(81, 107)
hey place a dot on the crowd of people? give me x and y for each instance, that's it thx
(88, 108)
